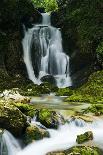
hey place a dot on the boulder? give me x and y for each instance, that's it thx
(33, 133)
(50, 119)
(49, 78)
(84, 137)
(11, 118)
(78, 150)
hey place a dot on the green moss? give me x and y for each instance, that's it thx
(33, 133)
(64, 92)
(49, 5)
(84, 137)
(79, 150)
(49, 119)
(26, 109)
(96, 109)
(91, 91)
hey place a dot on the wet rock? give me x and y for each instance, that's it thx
(84, 137)
(11, 118)
(14, 95)
(78, 150)
(33, 133)
(50, 119)
(49, 78)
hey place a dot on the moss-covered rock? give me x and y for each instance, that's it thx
(33, 133)
(84, 137)
(49, 119)
(26, 109)
(11, 118)
(79, 150)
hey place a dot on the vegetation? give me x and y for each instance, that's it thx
(90, 92)
(49, 5)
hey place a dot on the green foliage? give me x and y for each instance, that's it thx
(96, 109)
(90, 92)
(82, 24)
(99, 52)
(49, 5)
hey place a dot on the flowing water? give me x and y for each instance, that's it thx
(49, 57)
(63, 138)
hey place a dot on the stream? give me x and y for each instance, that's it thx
(62, 138)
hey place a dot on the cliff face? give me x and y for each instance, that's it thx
(13, 14)
(81, 23)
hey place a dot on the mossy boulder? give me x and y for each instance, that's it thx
(11, 118)
(79, 150)
(33, 133)
(84, 137)
(26, 109)
(49, 119)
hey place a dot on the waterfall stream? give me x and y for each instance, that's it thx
(63, 138)
(45, 43)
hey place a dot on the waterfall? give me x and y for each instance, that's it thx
(9, 144)
(44, 42)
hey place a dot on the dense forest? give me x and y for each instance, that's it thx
(51, 77)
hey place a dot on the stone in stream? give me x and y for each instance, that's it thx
(84, 137)
(79, 150)
(49, 78)
(49, 119)
(33, 133)
(11, 118)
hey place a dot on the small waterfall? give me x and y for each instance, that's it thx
(65, 137)
(44, 42)
(9, 145)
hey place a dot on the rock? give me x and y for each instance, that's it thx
(49, 78)
(14, 95)
(11, 118)
(84, 137)
(78, 150)
(33, 133)
(83, 117)
(26, 109)
(50, 119)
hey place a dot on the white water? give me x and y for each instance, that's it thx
(63, 138)
(12, 144)
(53, 61)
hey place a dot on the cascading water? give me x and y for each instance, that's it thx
(49, 58)
(9, 144)
(65, 137)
